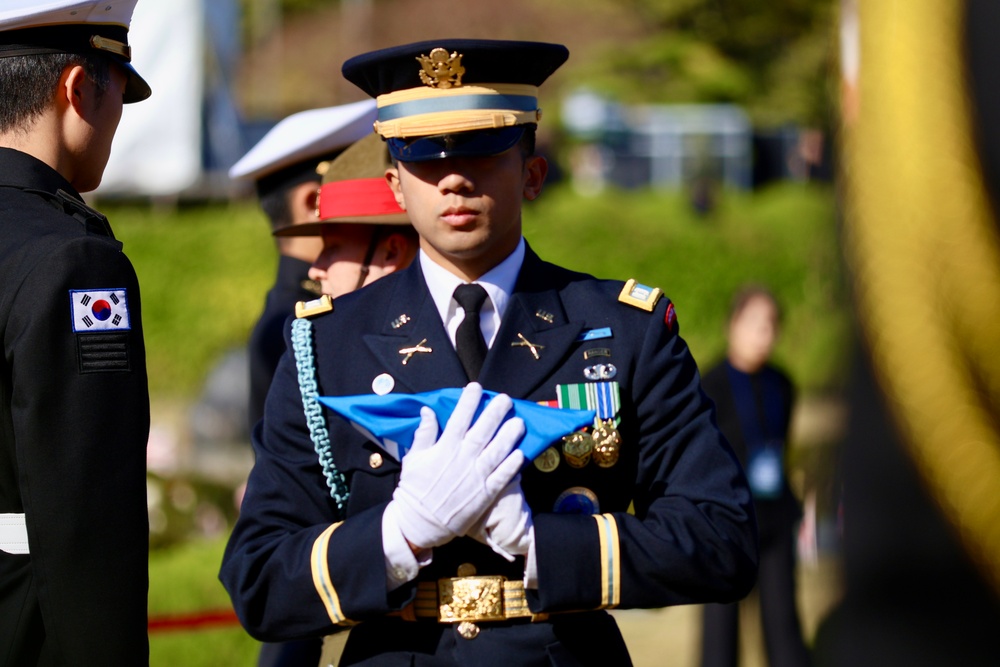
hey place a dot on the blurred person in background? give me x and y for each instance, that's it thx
(283, 166)
(754, 402)
(364, 236)
(74, 401)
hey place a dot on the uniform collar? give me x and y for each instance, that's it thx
(498, 282)
(21, 170)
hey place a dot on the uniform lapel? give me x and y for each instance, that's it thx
(534, 316)
(424, 370)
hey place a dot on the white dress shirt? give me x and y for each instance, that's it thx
(498, 283)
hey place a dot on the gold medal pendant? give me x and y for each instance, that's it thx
(548, 460)
(577, 448)
(607, 443)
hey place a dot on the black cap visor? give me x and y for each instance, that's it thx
(136, 88)
(475, 143)
(110, 41)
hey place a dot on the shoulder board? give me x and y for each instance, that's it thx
(93, 221)
(643, 297)
(324, 304)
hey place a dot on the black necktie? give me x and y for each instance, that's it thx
(469, 341)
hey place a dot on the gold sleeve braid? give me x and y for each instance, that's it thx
(922, 244)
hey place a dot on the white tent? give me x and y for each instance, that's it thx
(189, 131)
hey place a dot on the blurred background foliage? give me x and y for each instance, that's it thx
(773, 58)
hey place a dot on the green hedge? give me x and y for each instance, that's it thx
(204, 271)
(783, 237)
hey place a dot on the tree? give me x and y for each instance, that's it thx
(772, 57)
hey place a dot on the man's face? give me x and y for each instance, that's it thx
(102, 113)
(338, 267)
(468, 210)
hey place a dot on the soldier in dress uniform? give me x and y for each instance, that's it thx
(74, 404)
(283, 166)
(453, 549)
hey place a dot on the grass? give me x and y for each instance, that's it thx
(184, 580)
(204, 271)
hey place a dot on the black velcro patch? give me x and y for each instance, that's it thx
(102, 352)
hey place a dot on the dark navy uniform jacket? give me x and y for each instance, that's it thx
(691, 537)
(74, 420)
(267, 341)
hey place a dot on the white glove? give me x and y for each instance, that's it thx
(507, 527)
(445, 487)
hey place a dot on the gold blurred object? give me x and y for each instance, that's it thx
(922, 244)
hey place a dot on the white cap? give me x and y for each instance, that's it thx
(306, 135)
(29, 27)
(16, 14)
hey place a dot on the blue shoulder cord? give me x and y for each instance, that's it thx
(302, 346)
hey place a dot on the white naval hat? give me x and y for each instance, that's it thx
(29, 27)
(304, 136)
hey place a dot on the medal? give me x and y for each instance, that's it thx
(607, 443)
(548, 460)
(603, 444)
(577, 448)
(577, 500)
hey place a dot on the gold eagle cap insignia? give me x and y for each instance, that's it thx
(441, 69)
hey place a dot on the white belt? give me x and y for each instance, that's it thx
(13, 534)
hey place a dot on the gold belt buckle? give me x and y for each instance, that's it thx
(471, 599)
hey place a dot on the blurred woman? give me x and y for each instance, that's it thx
(754, 406)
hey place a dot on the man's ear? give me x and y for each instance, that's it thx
(398, 249)
(302, 202)
(535, 169)
(74, 90)
(392, 178)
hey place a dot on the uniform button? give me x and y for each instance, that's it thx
(400, 573)
(375, 460)
(466, 570)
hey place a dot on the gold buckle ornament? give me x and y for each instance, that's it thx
(472, 599)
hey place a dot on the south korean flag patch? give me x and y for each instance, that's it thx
(100, 310)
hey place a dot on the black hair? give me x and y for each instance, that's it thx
(27, 83)
(273, 189)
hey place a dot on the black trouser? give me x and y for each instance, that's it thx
(778, 612)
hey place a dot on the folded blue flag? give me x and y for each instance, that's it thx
(391, 420)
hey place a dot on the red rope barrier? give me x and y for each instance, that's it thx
(196, 621)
